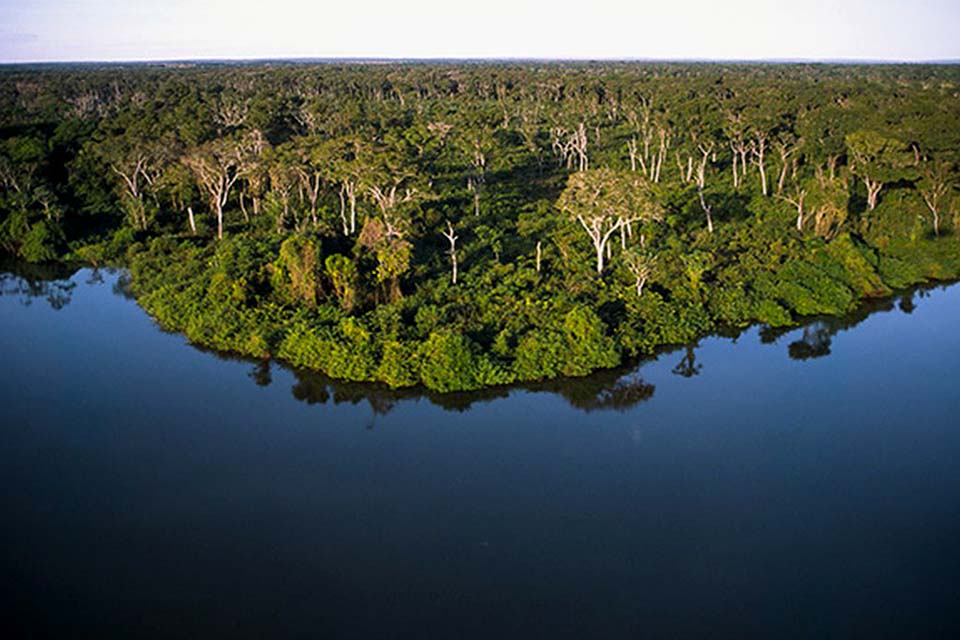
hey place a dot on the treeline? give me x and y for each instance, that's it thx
(468, 225)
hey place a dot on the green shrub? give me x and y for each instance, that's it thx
(447, 364)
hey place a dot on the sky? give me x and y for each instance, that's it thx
(102, 30)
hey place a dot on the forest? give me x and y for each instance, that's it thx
(462, 225)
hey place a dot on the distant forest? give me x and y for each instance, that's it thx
(462, 225)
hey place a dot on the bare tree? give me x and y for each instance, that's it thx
(739, 147)
(283, 180)
(706, 150)
(311, 162)
(389, 191)
(311, 181)
(934, 187)
(476, 142)
(785, 149)
(452, 239)
(216, 168)
(758, 149)
(664, 135)
(633, 152)
(640, 148)
(348, 195)
(641, 266)
(136, 171)
(349, 167)
(578, 142)
(571, 146)
(797, 200)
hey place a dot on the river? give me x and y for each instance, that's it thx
(802, 483)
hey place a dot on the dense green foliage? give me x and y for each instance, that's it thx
(463, 226)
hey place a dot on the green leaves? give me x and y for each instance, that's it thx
(296, 273)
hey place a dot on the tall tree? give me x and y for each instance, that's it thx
(877, 160)
(603, 201)
(934, 187)
(217, 166)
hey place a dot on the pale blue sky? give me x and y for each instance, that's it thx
(59, 30)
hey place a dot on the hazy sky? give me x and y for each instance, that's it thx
(35, 30)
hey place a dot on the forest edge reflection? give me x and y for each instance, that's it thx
(615, 389)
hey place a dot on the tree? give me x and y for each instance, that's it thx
(346, 169)
(392, 251)
(641, 266)
(796, 198)
(283, 170)
(786, 146)
(452, 239)
(297, 269)
(312, 159)
(29, 209)
(605, 200)
(342, 272)
(826, 199)
(758, 149)
(178, 186)
(571, 146)
(876, 160)
(706, 150)
(934, 187)
(735, 130)
(137, 170)
(216, 167)
(477, 142)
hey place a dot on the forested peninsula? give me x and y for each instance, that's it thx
(463, 224)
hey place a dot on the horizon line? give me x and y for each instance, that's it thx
(483, 59)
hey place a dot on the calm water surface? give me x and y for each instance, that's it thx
(800, 485)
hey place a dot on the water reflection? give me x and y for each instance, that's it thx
(688, 366)
(38, 281)
(261, 374)
(907, 305)
(613, 390)
(815, 342)
(617, 390)
(160, 460)
(121, 286)
(816, 336)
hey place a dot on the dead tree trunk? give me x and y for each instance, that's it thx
(797, 201)
(705, 150)
(873, 191)
(759, 149)
(452, 239)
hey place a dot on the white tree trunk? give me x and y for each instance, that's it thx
(873, 192)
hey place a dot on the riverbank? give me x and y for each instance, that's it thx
(230, 296)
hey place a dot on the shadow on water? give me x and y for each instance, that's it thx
(30, 282)
(616, 389)
(817, 333)
(688, 365)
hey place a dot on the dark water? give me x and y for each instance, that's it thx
(796, 485)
